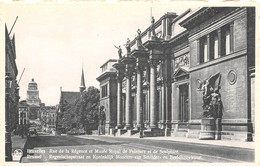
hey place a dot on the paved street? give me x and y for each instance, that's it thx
(86, 148)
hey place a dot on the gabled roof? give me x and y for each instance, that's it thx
(69, 97)
(180, 71)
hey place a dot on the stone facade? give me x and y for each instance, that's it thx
(49, 118)
(11, 92)
(33, 101)
(108, 93)
(184, 53)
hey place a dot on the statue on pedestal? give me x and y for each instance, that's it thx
(212, 104)
(139, 43)
(127, 46)
(152, 30)
(119, 51)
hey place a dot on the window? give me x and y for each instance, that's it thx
(227, 39)
(214, 45)
(183, 103)
(217, 43)
(104, 91)
(203, 49)
(104, 68)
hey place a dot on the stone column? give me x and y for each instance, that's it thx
(231, 38)
(119, 103)
(208, 49)
(148, 94)
(141, 58)
(153, 93)
(128, 108)
(156, 53)
(219, 43)
(163, 103)
(139, 96)
(198, 52)
(129, 64)
(120, 69)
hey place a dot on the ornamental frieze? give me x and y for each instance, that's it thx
(183, 60)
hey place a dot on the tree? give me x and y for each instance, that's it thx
(82, 113)
(87, 109)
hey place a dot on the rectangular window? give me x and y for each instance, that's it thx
(183, 103)
(104, 91)
(203, 50)
(227, 39)
(217, 43)
(213, 45)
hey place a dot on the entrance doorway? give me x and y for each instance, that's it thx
(184, 103)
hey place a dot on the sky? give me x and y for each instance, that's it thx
(54, 41)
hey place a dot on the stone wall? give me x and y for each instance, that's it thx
(234, 97)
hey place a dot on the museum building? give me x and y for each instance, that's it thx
(189, 75)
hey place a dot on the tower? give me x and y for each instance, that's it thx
(82, 83)
(33, 94)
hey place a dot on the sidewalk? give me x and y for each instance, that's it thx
(231, 143)
(227, 143)
(17, 143)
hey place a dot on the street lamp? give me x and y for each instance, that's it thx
(8, 141)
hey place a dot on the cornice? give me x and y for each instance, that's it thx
(202, 15)
(218, 23)
(105, 75)
(219, 60)
(156, 25)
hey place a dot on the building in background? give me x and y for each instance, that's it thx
(33, 94)
(49, 118)
(11, 92)
(33, 101)
(180, 66)
(68, 98)
(108, 85)
(23, 117)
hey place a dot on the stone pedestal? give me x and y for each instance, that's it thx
(153, 132)
(218, 129)
(207, 129)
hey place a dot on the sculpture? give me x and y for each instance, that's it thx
(127, 46)
(139, 43)
(119, 51)
(212, 104)
(101, 119)
(152, 30)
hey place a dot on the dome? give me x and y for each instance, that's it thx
(32, 82)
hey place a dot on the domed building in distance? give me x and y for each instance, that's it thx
(33, 94)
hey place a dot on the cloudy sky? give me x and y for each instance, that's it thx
(54, 40)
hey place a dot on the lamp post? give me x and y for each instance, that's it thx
(8, 141)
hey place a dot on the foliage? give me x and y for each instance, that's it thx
(82, 113)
